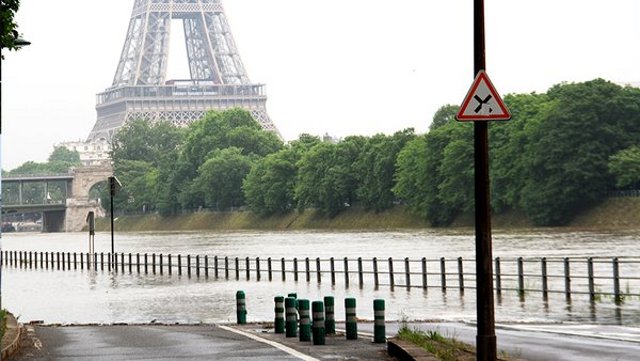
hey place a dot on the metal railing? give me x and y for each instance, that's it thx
(595, 277)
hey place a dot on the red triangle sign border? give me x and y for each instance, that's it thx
(481, 77)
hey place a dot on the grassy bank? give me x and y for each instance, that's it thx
(613, 213)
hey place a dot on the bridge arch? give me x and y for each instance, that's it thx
(84, 178)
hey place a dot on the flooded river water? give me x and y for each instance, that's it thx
(88, 296)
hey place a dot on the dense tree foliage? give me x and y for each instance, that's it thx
(562, 152)
(8, 33)
(59, 161)
(167, 169)
(625, 167)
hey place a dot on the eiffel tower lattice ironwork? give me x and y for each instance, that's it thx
(218, 79)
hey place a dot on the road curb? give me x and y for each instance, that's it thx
(406, 351)
(13, 343)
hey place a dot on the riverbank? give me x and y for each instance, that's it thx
(613, 213)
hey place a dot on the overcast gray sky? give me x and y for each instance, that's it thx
(341, 67)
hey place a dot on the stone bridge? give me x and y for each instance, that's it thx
(63, 199)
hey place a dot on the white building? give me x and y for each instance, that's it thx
(95, 152)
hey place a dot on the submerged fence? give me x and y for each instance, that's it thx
(597, 277)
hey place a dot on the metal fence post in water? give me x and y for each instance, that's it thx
(270, 270)
(75, 260)
(58, 256)
(258, 268)
(198, 266)
(68, 260)
(169, 265)
(146, 264)
(179, 265)
(616, 282)
(424, 272)
(592, 293)
(161, 264)
(407, 273)
(360, 273)
(307, 269)
(545, 286)
(189, 266)
(115, 261)
(122, 262)
(520, 277)
(215, 266)
(460, 274)
(153, 263)
(226, 267)
(295, 269)
(101, 261)
(333, 270)
(138, 263)
(236, 262)
(391, 277)
(567, 279)
(206, 266)
(282, 268)
(376, 281)
(346, 272)
(318, 271)
(247, 268)
(498, 276)
(443, 274)
(40, 259)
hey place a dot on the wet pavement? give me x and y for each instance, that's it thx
(557, 342)
(197, 342)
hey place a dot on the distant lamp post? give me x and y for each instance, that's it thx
(18, 42)
(114, 187)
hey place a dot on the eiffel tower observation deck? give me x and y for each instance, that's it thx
(218, 79)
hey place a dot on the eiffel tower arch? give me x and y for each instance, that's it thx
(218, 79)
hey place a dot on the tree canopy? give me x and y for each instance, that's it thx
(563, 151)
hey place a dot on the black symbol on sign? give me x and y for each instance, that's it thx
(482, 102)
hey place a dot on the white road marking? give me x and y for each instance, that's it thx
(271, 343)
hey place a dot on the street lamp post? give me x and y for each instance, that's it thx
(18, 43)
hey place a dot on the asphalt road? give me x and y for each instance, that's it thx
(253, 342)
(97, 343)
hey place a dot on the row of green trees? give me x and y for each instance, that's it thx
(59, 161)
(561, 153)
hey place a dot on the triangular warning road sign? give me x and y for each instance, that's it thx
(482, 102)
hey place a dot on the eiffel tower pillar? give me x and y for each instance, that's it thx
(218, 79)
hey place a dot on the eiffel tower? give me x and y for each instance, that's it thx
(218, 79)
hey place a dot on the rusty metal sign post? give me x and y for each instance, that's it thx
(482, 104)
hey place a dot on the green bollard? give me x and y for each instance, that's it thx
(351, 322)
(291, 323)
(378, 324)
(318, 322)
(305, 320)
(241, 308)
(329, 318)
(278, 324)
(295, 297)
